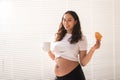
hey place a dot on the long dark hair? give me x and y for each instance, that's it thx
(76, 32)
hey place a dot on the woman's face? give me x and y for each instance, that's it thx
(68, 22)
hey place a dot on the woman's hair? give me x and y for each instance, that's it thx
(76, 32)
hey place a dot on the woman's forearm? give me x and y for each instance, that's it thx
(51, 55)
(88, 56)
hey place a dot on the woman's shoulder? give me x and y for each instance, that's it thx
(84, 37)
(83, 40)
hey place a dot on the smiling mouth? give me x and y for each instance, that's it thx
(66, 26)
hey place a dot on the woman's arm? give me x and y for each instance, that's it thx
(86, 57)
(51, 55)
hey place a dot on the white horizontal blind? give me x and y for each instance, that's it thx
(25, 25)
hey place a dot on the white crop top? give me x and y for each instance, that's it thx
(66, 50)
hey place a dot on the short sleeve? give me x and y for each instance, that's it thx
(83, 44)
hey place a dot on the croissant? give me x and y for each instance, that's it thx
(98, 36)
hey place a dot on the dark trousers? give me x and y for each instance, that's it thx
(76, 74)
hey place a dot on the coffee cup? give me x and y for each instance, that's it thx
(46, 46)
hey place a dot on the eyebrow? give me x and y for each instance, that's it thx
(68, 18)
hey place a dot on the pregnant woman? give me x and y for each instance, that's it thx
(69, 49)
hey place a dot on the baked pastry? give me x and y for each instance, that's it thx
(98, 36)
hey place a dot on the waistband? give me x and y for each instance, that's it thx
(75, 74)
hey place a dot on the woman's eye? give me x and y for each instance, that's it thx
(69, 20)
(64, 20)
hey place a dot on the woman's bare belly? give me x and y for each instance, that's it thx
(64, 66)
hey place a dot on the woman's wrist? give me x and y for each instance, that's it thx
(92, 49)
(49, 51)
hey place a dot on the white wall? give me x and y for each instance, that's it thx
(25, 24)
(117, 38)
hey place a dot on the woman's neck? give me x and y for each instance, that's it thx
(69, 32)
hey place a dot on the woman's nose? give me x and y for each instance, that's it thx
(66, 22)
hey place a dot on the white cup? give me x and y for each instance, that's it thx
(46, 46)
